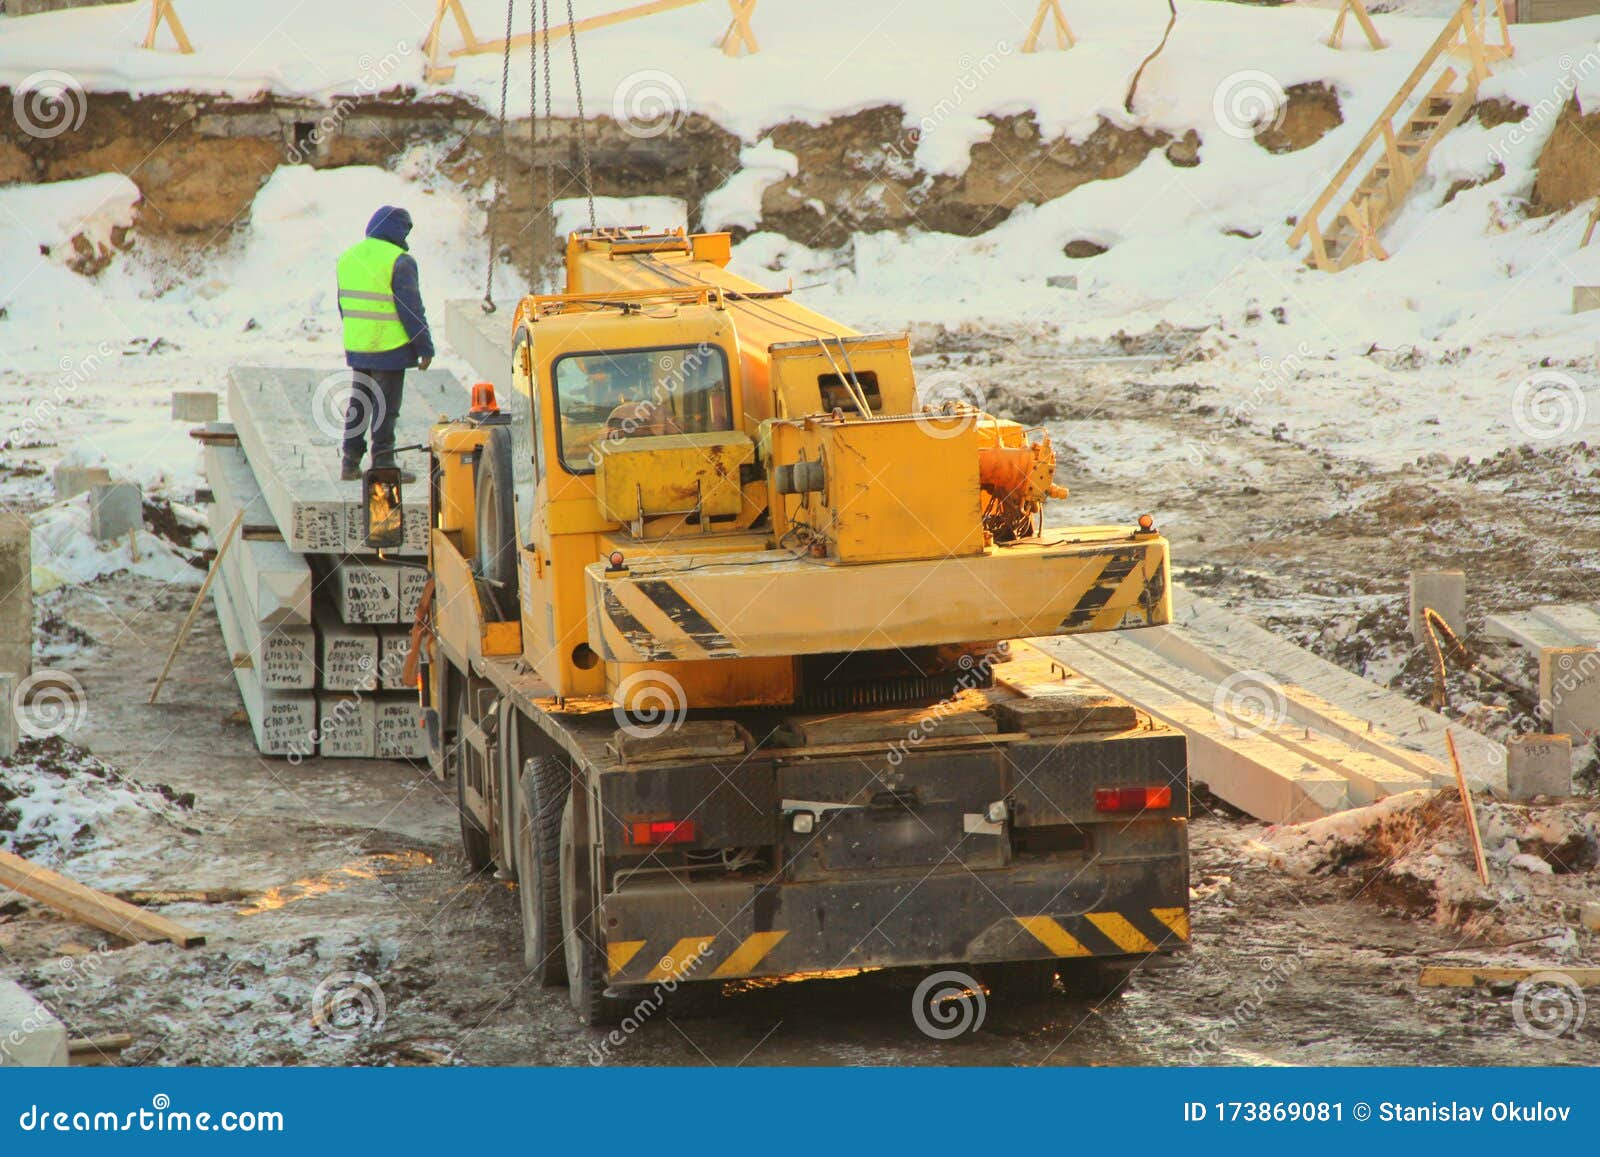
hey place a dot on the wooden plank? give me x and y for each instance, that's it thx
(92, 907)
(958, 716)
(1468, 976)
(702, 738)
(1067, 712)
(588, 24)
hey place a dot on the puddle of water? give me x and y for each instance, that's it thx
(369, 867)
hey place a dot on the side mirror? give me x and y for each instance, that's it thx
(383, 519)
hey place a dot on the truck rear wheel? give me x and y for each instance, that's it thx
(544, 784)
(586, 972)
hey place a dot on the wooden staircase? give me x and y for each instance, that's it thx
(1434, 99)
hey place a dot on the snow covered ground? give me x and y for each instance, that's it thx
(1463, 343)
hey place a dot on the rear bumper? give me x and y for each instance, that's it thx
(1101, 907)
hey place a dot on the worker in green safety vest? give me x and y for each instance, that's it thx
(385, 334)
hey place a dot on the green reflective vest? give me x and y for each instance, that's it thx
(366, 300)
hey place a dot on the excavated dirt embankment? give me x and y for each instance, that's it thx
(199, 161)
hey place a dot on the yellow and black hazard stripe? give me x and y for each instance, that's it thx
(1132, 930)
(690, 958)
(1121, 585)
(661, 624)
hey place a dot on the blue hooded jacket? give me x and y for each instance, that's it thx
(393, 225)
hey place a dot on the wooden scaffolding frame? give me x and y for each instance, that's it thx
(1049, 10)
(739, 39)
(163, 10)
(1358, 9)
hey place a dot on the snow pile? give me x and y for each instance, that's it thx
(737, 202)
(49, 233)
(1412, 851)
(64, 552)
(58, 802)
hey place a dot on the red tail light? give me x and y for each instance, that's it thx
(651, 833)
(1132, 799)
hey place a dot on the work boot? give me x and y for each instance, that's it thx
(350, 472)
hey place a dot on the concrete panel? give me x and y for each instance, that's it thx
(1538, 765)
(287, 423)
(347, 654)
(284, 656)
(1446, 592)
(1569, 691)
(276, 581)
(71, 481)
(194, 405)
(283, 722)
(116, 509)
(400, 734)
(30, 1034)
(346, 726)
(482, 340)
(16, 594)
(365, 592)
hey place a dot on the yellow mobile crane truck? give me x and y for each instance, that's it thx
(719, 654)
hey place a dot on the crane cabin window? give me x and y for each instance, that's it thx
(606, 397)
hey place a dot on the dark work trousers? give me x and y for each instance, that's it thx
(371, 411)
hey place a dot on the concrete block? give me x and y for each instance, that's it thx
(287, 420)
(1062, 281)
(1585, 298)
(30, 1034)
(1589, 917)
(400, 734)
(347, 654)
(1569, 691)
(277, 581)
(284, 656)
(366, 592)
(394, 644)
(115, 509)
(482, 341)
(1538, 765)
(283, 722)
(346, 726)
(194, 405)
(16, 594)
(71, 481)
(412, 581)
(9, 736)
(1443, 590)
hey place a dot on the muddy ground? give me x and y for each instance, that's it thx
(345, 877)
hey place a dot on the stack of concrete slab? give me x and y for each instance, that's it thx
(1273, 729)
(318, 627)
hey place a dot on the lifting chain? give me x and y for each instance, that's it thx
(500, 175)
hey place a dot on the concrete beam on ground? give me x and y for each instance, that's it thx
(30, 1035)
(347, 726)
(116, 510)
(16, 594)
(283, 722)
(287, 420)
(1245, 645)
(482, 340)
(275, 582)
(197, 406)
(284, 656)
(1248, 769)
(347, 653)
(70, 481)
